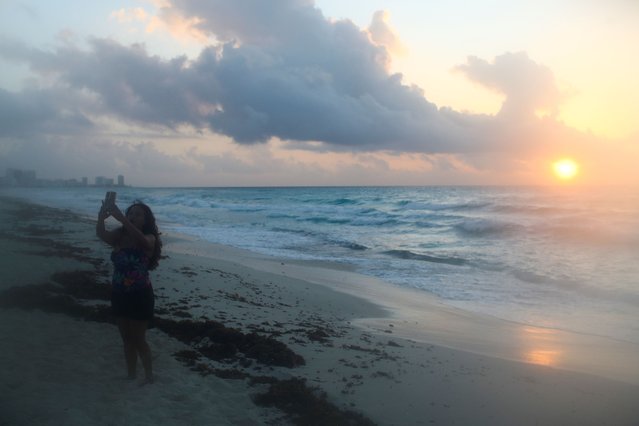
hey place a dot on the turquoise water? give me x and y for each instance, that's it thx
(553, 257)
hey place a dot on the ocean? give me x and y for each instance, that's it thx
(564, 257)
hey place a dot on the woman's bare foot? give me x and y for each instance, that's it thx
(147, 381)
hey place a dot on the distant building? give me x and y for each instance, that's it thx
(27, 178)
(103, 181)
(18, 177)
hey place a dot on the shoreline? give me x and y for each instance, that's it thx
(417, 315)
(588, 304)
(375, 370)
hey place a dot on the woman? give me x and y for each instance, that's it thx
(136, 250)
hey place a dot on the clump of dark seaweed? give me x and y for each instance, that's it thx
(218, 342)
(51, 298)
(318, 335)
(84, 285)
(307, 406)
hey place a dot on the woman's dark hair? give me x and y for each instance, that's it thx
(150, 227)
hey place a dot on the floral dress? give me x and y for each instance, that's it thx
(131, 270)
(132, 294)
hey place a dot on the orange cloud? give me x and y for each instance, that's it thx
(125, 16)
(185, 29)
(384, 35)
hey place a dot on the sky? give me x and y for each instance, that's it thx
(326, 92)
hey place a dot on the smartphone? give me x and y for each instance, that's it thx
(109, 199)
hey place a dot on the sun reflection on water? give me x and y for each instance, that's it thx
(540, 346)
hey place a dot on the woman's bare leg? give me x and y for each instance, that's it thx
(142, 348)
(130, 351)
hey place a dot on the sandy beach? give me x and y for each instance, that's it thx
(243, 339)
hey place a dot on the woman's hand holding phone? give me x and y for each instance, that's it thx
(108, 205)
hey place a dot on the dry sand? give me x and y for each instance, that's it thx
(379, 356)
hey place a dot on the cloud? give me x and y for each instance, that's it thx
(75, 157)
(336, 90)
(41, 112)
(382, 33)
(528, 86)
(255, 22)
(179, 27)
(130, 15)
(281, 72)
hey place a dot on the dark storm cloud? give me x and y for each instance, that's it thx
(252, 95)
(127, 81)
(293, 74)
(282, 70)
(256, 22)
(37, 112)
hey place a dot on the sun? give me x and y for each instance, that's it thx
(565, 169)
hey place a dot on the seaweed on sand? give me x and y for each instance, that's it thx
(216, 341)
(307, 406)
(67, 291)
(62, 297)
(301, 404)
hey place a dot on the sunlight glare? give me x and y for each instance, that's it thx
(565, 169)
(541, 347)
